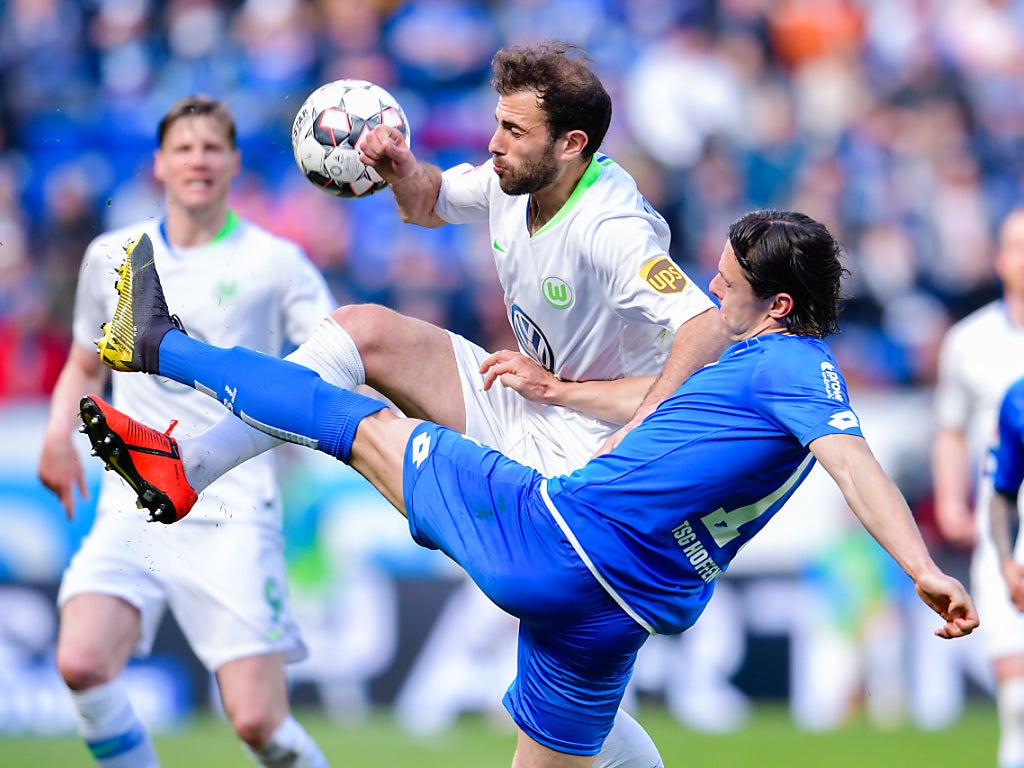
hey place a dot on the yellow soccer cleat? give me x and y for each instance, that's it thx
(131, 340)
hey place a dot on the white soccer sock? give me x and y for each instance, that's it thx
(329, 351)
(1010, 704)
(289, 747)
(110, 728)
(628, 746)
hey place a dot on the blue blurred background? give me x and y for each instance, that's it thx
(899, 124)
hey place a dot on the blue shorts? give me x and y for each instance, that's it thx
(577, 647)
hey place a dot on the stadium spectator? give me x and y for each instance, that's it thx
(223, 576)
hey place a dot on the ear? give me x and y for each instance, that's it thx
(575, 141)
(780, 306)
(158, 166)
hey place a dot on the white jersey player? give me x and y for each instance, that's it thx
(222, 574)
(980, 357)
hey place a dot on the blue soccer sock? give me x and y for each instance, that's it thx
(275, 396)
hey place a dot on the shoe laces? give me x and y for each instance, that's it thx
(170, 427)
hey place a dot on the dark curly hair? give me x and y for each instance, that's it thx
(789, 252)
(571, 96)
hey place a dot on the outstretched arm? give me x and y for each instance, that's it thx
(415, 185)
(881, 508)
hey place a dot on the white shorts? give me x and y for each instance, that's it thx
(225, 582)
(551, 439)
(1002, 625)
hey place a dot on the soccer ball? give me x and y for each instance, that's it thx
(329, 127)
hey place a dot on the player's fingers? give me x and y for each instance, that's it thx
(67, 500)
(502, 355)
(493, 372)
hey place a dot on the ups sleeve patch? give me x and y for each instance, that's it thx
(663, 275)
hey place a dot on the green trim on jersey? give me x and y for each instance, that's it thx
(231, 222)
(587, 180)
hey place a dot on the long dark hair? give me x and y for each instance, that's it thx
(789, 252)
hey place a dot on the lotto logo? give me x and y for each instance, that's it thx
(420, 448)
(663, 276)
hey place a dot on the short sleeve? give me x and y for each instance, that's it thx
(464, 196)
(805, 394)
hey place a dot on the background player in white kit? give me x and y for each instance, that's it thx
(590, 290)
(981, 356)
(222, 573)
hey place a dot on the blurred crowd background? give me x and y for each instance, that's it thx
(901, 125)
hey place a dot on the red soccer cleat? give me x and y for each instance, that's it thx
(148, 460)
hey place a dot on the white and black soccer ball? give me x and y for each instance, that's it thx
(329, 128)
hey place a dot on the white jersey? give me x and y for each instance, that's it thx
(981, 356)
(593, 295)
(246, 288)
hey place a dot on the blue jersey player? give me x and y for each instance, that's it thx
(631, 544)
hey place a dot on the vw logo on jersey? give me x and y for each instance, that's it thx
(532, 340)
(556, 292)
(663, 275)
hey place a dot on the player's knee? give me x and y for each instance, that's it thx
(364, 322)
(254, 726)
(82, 669)
(374, 330)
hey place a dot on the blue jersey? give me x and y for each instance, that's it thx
(1009, 453)
(660, 518)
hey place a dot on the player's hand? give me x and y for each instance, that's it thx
(948, 598)
(1013, 575)
(519, 372)
(61, 472)
(385, 149)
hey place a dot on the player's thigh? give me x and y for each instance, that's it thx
(97, 635)
(533, 754)
(254, 691)
(408, 360)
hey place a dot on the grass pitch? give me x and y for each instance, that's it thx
(769, 740)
